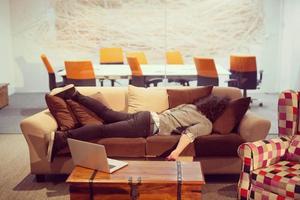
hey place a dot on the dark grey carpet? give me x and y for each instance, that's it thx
(21, 105)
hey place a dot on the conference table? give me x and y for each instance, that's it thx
(122, 71)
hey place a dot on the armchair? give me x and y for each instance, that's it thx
(266, 174)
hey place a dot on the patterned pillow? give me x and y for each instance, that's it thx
(293, 153)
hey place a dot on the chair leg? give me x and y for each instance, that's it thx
(112, 83)
(101, 82)
(244, 93)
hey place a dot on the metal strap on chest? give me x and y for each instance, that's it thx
(91, 179)
(134, 192)
(179, 180)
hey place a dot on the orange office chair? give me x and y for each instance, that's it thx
(141, 57)
(244, 73)
(52, 79)
(137, 78)
(113, 55)
(175, 58)
(206, 71)
(80, 73)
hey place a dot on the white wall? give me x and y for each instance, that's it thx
(277, 54)
(7, 72)
(289, 71)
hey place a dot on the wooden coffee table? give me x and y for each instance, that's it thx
(143, 180)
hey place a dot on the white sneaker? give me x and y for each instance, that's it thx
(50, 147)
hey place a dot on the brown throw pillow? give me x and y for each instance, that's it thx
(61, 112)
(231, 116)
(83, 114)
(185, 96)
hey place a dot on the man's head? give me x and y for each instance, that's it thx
(212, 106)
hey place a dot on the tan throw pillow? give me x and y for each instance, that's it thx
(231, 116)
(100, 97)
(149, 99)
(177, 97)
(61, 112)
(83, 114)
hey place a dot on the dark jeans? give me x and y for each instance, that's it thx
(116, 124)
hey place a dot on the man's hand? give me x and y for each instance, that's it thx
(173, 156)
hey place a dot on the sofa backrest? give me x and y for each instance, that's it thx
(117, 97)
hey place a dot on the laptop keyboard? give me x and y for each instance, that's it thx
(111, 166)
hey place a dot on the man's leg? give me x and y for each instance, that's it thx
(108, 115)
(137, 126)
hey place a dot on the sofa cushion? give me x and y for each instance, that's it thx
(83, 114)
(293, 152)
(124, 147)
(151, 99)
(161, 145)
(61, 112)
(231, 116)
(177, 97)
(218, 145)
(100, 97)
(282, 178)
(117, 147)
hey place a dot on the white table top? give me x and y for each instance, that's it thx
(123, 70)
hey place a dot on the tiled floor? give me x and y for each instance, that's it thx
(25, 104)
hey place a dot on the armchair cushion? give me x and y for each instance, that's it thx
(282, 178)
(293, 152)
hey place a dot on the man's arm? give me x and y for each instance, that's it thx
(200, 129)
(184, 141)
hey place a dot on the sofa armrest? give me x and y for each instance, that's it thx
(34, 129)
(253, 128)
(255, 155)
(263, 153)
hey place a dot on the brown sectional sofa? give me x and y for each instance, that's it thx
(217, 153)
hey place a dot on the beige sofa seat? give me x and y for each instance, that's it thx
(37, 126)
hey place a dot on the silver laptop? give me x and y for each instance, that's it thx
(93, 156)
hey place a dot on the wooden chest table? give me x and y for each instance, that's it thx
(143, 180)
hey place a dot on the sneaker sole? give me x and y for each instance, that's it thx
(50, 147)
(61, 90)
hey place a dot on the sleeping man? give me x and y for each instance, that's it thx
(189, 120)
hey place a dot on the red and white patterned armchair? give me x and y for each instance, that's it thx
(271, 168)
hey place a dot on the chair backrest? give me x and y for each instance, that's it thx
(111, 56)
(243, 69)
(206, 67)
(47, 64)
(50, 70)
(206, 71)
(134, 66)
(80, 73)
(174, 58)
(288, 113)
(141, 57)
(242, 63)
